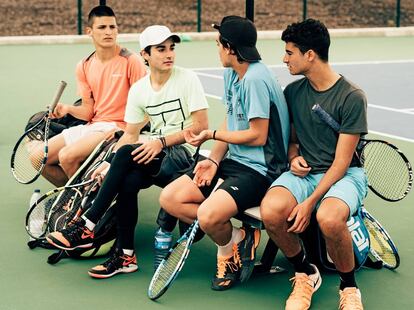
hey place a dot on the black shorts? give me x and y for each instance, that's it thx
(244, 184)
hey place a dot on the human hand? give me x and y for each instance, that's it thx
(100, 172)
(300, 216)
(204, 173)
(197, 140)
(60, 111)
(299, 166)
(147, 151)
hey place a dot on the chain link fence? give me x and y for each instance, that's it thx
(50, 17)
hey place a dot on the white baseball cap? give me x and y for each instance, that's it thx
(156, 34)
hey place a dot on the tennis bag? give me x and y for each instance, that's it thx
(56, 125)
(315, 245)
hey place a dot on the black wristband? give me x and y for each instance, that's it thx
(163, 142)
(110, 157)
(213, 161)
(214, 134)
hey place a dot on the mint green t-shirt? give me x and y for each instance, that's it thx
(169, 109)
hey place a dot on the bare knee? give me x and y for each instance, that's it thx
(69, 157)
(208, 219)
(168, 199)
(275, 208)
(330, 223)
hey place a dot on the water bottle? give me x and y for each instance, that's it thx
(35, 226)
(162, 244)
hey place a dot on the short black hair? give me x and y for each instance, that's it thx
(309, 34)
(99, 11)
(229, 45)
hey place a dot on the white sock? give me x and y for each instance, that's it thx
(227, 250)
(128, 252)
(90, 225)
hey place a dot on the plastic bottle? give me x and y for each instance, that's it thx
(35, 226)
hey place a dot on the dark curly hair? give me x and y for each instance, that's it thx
(310, 34)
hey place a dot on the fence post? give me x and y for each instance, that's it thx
(398, 13)
(305, 9)
(79, 17)
(198, 15)
(250, 9)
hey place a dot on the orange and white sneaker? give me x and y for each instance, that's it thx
(228, 271)
(118, 262)
(350, 299)
(247, 249)
(303, 288)
(75, 235)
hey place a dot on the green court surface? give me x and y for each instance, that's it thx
(29, 76)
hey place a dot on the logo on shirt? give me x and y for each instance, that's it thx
(116, 75)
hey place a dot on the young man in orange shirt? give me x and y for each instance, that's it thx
(104, 79)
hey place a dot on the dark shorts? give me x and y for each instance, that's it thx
(244, 184)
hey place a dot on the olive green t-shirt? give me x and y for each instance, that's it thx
(344, 101)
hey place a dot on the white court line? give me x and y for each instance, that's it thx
(346, 63)
(213, 76)
(403, 111)
(391, 136)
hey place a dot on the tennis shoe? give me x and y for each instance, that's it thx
(75, 235)
(228, 270)
(350, 299)
(247, 249)
(303, 288)
(118, 262)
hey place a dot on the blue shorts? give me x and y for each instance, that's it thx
(351, 189)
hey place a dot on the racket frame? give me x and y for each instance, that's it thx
(46, 118)
(385, 236)
(331, 122)
(188, 237)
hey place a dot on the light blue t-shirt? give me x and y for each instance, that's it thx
(258, 95)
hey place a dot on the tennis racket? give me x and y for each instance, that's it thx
(174, 261)
(388, 170)
(65, 198)
(172, 264)
(29, 155)
(382, 247)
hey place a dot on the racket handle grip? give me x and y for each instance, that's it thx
(324, 116)
(57, 96)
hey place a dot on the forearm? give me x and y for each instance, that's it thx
(80, 112)
(332, 175)
(293, 151)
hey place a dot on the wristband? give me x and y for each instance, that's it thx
(214, 134)
(213, 161)
(163, 142)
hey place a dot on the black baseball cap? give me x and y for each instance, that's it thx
(242, 34)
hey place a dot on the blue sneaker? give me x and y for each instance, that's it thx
(162, 244)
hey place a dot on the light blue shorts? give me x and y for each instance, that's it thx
(351, 189)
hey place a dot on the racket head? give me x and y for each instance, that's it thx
(172, 264)
(29, 154)
(382, 246)
(37, 216)
(66, 205)
(388, 170)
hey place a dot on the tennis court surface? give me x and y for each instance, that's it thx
(383, 67)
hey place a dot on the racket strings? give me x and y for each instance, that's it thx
(68, 201)
(386, 170)
(28, 157)
(380, 245)
(37, 217)
(168, 268)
